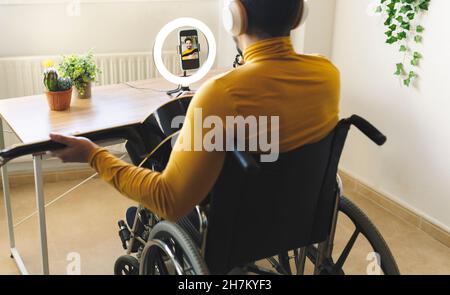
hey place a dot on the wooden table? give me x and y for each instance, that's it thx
(110, 106)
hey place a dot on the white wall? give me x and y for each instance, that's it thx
(227, 48)
(414, 166)
(44, 27)
(109, 26)
(319, 29)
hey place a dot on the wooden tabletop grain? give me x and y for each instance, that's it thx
(110, 106)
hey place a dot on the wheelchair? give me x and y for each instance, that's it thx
(284, 214)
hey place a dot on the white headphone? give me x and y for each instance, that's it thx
(235, 19)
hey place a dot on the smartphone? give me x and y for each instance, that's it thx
(189, 49)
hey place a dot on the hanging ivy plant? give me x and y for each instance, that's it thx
(402, 30)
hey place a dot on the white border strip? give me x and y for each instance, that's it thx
(59, 2)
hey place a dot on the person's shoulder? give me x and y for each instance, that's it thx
(221, 81)
(323, 60)
(213, 83)
(214, 96)
(213, 88)
(242, 75)
(226, 76)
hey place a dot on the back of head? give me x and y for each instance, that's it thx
(271, 18)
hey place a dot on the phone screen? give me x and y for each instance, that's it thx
(189, 50)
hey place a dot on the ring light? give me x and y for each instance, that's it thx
(161, 38)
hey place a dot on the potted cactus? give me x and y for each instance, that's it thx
(58, 90)
(82, 70)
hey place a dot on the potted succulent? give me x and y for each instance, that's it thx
(58, 90)
(82, 70)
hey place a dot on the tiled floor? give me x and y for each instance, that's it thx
(85, 221)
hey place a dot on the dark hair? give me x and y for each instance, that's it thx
(188, 39)
(271, 18)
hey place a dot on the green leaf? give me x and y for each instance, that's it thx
(420, 29)
(406, 8)
(400, 69)
(424, 5)
(405, 26)
(403, 48)
(391, 40)
(402, 35)
(412, 75)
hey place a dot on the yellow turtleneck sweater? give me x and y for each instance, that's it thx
(302, 90)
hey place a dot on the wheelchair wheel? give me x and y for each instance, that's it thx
(363, 227)
(170, 250)
(126, 265)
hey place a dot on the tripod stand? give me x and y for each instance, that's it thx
(180, 88)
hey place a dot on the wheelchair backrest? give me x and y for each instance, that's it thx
(154, 131)
(287, 205)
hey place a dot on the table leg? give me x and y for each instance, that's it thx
(9, 217)
(7, 201)
(6, 195)
(40, 202)
(9, 221)
(2, 135)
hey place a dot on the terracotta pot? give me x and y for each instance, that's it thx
(59, 100)
(86, 93)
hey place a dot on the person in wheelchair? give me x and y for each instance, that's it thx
(249, 218)
(302, 90)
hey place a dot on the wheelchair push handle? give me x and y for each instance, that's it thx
(368, 129)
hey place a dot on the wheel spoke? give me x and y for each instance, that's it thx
(347, 249)
(276, 265)
(284, 262)
(179, 255)
(161, 265)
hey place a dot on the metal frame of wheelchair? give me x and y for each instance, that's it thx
(156, 255)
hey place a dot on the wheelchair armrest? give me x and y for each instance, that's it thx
(368, 129)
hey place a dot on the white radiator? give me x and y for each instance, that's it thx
(22, 76)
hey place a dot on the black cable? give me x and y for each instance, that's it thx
(237, 62)
(144, 88)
